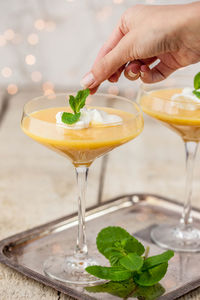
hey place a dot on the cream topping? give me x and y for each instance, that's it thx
(89, 117)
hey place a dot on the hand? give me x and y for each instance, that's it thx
(144, 34)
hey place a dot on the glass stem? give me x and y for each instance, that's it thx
(81, 250)
(190, 150)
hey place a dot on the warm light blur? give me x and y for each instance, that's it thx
(2, 41)
(48, 86)
(6, 72)
(33, 39)
(118, 1)
(36, 76)
(39, 24)
(48, 92)
(12, 89)
(113, 90)
(30, 59)
(9, 34)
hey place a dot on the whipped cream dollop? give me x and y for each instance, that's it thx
(89, 117)
(189, 98)
(186, 94)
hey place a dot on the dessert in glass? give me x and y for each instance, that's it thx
(106, 122)
(174, 104)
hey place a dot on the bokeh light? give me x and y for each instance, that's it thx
(113, 90)
(30, 59)
(118, 1)
(6, 72)
(49, 92)
(48, 88)
(2, 41)
(48, 85)
(12, 89)
(9, 34)
(39, 24)
(36, 76)
(33, 39)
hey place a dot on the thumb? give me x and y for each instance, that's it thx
(109, 64)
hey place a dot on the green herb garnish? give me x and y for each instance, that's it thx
(129, 264)
(128, 289)
(76, 103)
(197, 85)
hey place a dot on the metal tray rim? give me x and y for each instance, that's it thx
(63, 288)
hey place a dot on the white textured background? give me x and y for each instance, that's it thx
(62, 37)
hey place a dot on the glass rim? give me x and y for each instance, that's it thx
(176, 101)
(53, 96)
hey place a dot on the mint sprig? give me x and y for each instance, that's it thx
(128, 262)
(76, 103)
(128, 289)
(196, 85)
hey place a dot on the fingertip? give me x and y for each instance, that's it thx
(87, 80)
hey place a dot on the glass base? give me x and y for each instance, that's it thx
(177, 238)
(70, 269)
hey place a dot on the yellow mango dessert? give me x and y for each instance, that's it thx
(82, 145)
(176, 108)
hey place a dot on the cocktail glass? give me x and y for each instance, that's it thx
(183, 117)
(82, 147)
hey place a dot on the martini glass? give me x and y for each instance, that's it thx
(183, 117)
(82, 147)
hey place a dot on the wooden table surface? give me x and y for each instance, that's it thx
(35, 183)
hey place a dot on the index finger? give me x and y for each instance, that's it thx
(112, 41)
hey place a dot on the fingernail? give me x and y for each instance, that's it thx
(87, 80)
(132, 75)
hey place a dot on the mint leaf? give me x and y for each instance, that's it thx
(132, 262)
(81, 98)
(120, 289)
(110, 273)
(133, 245)
(76, 103)
(114, 258)
(196, 93)
(128, 289)
(197, 81)
(157, 259)
(72, 102)
(149, 292)
(116, 239)
(69, 118)
(151, 276)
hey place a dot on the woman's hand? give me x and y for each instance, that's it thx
(145, 34)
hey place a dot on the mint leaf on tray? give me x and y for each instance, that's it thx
(111, 273)
(130, 267)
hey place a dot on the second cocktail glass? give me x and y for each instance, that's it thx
(82, 147)
(167, 103)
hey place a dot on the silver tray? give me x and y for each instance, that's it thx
(26, 251)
